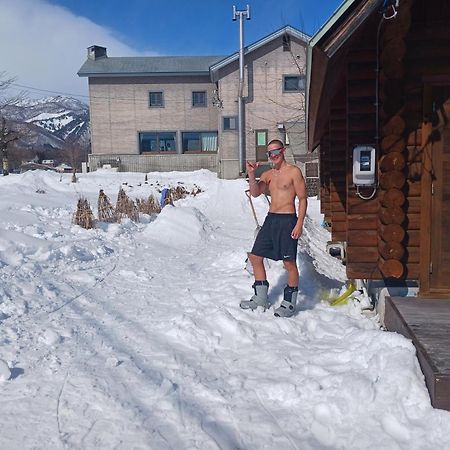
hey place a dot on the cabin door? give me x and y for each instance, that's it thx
(440, 189)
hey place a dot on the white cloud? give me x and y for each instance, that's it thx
(44, 45)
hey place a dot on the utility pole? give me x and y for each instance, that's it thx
(241, 117)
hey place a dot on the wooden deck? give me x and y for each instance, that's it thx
(427, 323)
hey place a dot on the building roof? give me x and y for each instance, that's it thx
(276, 34)
(148, 66)
(173, 65)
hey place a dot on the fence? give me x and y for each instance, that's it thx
(154, 163)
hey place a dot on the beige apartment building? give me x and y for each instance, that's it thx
(181, 113)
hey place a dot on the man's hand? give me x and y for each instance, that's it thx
(251, 166)
(297, 231)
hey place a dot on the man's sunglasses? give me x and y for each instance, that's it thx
(274, 152)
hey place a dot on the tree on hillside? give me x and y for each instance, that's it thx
(74, 152)
(6, 137)
(5, 83)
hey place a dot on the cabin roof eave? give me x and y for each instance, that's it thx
(323, 55)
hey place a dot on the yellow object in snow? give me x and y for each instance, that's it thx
(343, 297)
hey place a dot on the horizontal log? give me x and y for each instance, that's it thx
(338, 226)
(392, 197)
(338, 236)
(412, 221)
(337, 207)
(392, 232)
(393, 179)
(391, 250)
(356, 205)
(392, 161)
(413, 188)
(412, 238)
(339, 216)
(362, 222)
(367, 271)
(412, 254)
(395, 125)
(361, 238)
(391, 268)
(338, 197)
(393, 214)
(392, 143)
(413, 205)
(361, 108)
(362, 254)
(361, 125)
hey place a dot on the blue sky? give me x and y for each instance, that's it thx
(43, 42)
(178, 27)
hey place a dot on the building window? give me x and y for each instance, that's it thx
(230, 123)
(199, 98)
(154, 141)
(293, 83)
(155, 99)
(199, 141)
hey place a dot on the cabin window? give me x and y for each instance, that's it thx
(156, 141)
(155, 99)
(293, 83)
(199, 141)
(230, 123)
(199, 99)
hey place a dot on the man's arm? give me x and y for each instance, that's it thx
(300, 191)
(256, 187)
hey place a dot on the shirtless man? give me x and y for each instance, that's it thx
(281, 230)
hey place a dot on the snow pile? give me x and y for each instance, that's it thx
(130, 335)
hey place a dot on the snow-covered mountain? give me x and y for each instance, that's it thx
(49, 122)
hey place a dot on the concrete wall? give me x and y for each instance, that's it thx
(154, 163)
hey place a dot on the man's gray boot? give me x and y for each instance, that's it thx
(287, 306)
(260, 298)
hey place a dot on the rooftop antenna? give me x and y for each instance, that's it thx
(241, 123)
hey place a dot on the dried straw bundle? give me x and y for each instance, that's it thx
(83, 216)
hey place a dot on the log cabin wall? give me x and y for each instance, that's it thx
(324, 160)
(362, 215)
(337, 155)
(426, 64)
(383, 234)
(393, 220)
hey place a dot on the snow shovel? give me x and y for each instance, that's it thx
(258, 226)
(248, 266)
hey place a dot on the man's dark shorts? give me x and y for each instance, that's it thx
(274, 239)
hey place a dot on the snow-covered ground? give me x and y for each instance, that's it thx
(130, 335)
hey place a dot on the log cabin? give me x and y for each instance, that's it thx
(378, 114)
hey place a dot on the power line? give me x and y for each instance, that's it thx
(46, 90)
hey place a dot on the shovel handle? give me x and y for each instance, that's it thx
(247, 193)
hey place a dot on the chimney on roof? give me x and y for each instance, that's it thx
(96, 52)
